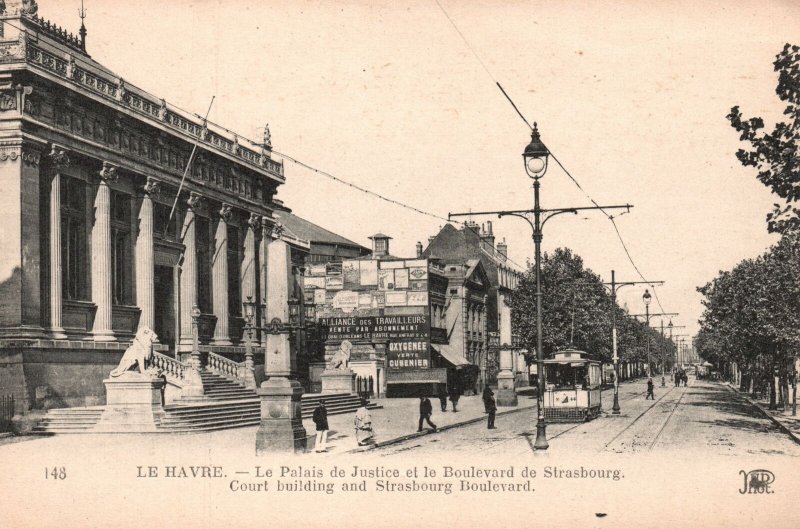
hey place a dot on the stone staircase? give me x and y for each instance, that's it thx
(226, 405)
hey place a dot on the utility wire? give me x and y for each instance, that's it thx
(382, 197)
(575, 181)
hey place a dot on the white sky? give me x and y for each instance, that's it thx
(631, 96)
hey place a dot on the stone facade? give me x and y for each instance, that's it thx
(453, 246)
(101, 232)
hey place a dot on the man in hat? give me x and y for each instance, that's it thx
(320, 418)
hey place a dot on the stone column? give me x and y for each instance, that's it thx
(506, 396)
(101, 256)
(59, 160)
(263, 260)
(248, 277)
(219, 277)
(188, 273)
(281, 428)
(145, 282)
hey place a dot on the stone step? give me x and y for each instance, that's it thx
(222, 409)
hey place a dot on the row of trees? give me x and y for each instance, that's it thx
(752, 312)
(752, 318)
(577, 311)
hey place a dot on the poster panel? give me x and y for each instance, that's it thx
(369, 273)
(351, 274)
(401, 278)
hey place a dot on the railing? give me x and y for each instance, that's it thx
(6, 412)
(365, 387)
(226, 367)
(171, 367)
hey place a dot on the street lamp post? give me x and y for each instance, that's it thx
(646, 297)
(535, 157)
(249, 366)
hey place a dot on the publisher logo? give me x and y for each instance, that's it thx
(757, 482)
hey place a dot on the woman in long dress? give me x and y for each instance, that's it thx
(363, 423)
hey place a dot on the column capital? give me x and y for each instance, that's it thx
(277, 230)
(254, 221)
(226, 212)
(109, 172)
(194, 200)
(152, 186)
(59, 157)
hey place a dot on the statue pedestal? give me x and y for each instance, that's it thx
(338, 380)
(133, 404)
(281, 428)
(506, 396)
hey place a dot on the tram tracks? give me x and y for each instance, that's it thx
(669, 417)
(629, 398)
(642, 414)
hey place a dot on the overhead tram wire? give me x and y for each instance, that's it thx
(528, 124)
(384, 198)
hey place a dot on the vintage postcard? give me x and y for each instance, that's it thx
(509, 263)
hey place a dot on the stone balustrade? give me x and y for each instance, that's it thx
(171, 367)
(225, 367)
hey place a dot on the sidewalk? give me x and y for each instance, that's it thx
(783, 419)
(398, 421)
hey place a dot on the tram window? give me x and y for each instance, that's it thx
(565, 376)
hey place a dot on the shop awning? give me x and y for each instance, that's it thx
(452, 356)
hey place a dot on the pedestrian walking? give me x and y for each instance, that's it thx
(491, 408)
(650, 389)
(685, 378)
(425, 412)
(443, 396)
(320, 418)
(677, 378)
(487, 394)
(363, 423)
(455, 394)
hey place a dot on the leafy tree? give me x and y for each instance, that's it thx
(775, 153)
(752, 314)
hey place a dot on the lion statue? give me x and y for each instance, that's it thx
(139, 353)
(341, 358)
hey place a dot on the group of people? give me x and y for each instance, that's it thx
(365, 434)
(454, 393)
(681, 376)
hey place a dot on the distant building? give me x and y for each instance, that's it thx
(324, 245)
(457, 247)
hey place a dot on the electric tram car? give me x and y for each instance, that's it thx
(572, 387)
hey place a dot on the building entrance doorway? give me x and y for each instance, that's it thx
(164, 306)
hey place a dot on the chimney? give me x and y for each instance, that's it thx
(419, 249)
(380, 245)
(502, 249)
(487, 237)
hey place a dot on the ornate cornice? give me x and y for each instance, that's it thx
(109, 172)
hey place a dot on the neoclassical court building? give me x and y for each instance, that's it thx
(96, 240)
